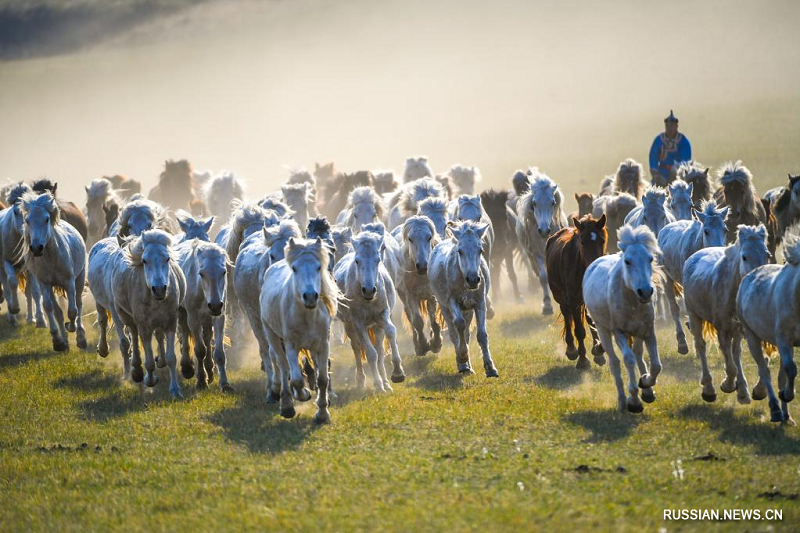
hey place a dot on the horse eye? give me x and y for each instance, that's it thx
(144, 261)
(744, 258)
(358, 262)
(628, 263)
(460, 252)
(294, 270)
(319, 268)
(429, 239)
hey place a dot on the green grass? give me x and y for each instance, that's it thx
(79, 450)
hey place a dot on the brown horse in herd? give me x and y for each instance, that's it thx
(70, 212)
(569, 252)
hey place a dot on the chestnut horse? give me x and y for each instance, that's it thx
(569, 253)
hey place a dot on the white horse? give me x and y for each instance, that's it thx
(436, 209)
(768, 304)
(220, 192)
(417, 239)
(100, 195)
(678, 241)
(201, 316)
(539, 215)
(616, 207)
(299, 299)
(370, 295)
(192, 228)
(459, 278)
(680, 200)
(391, 253)
(147, 291)
(416, 168)
(341, 238)
(405, 203)
(364, 206)
(257, 253)
(618, 291)
(653, 212)
(55, 255)
(464, 178)
(711, 280)
(471, 208)
(13, 272)
(300, 199)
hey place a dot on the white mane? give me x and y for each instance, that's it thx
(641, 235)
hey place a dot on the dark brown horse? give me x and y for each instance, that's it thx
(569, 253)
(70, 212)
(505, 240)
(175, 189)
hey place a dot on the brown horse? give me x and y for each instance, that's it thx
(505, 240)
(124, 187)
(341, 186)
(569, 253)
(175, 189)
(585, 204)
(70, 212)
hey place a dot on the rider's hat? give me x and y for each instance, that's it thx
(671, 118)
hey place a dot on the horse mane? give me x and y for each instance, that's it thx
(101, 189)
(157, 213)
(134, 251)
(244, 216)
(16, 192)
(431, 206)
(373, 238)
(709, 209)
(273, 204)
(654, 194)
(791, 246)
(385, 180)
(32, 200)
(417, 191)
(365, 195)
(44, 184)
(641, 235)
(301, 175)
(319, 227)
(287, 229)
(462, 174)
(417, 220)
(415, 164)
(212, 248)
(735, 172)
(296, 249)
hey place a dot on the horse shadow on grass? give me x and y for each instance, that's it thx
(605, 425)
(524, 325)
(561, 377)
(767, 438)
(93, 380)
(253, 423)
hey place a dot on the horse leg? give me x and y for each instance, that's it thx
(207, 332)
(497, 262)
(72, 308)
(10, 286)
(421, 346)
(102, 320)
(59, 314)
(172, 360)
(322, 416)
(380, 337)
(650, 378)
(675, 310)
(124, 343)
(572, 352)
(633, 402)
(512, 274)
(161, 360)
(33, 291)
(728, 385)
(647, 394)
(436, 329)
(764, 377)
(358, 350)
(398, 374)
(372, 358)
(297, 380)
(150, 377)
(80, 332)
(547, 306)
(597, 346)
(137, 373)
(782, 379)
(219, 353)
(270, 369)
(278, 356)
(200, 351)
(788, 366)
(742, 389)
(709, 393)
(187, 369)
(613, 365)
(483, 341)
(59, 344)
(461, 344)
(580, 334)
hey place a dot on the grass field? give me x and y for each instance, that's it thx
(540, 447)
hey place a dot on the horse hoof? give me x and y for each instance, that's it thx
(399, 378)
(465, 368)
(776, 416)
(598, 350)
(201, 385)
(783, 396)
(161, 362)
(571, 354)
(547, 311)
(583, 364)
(227, 388)
(759, 392)
(683, 348)
(82, 344)
(635, 407)
(709, 397)
(288, 412)
(303, 395)
(727, 389)
(599, 360)
(788, 421)
(262, 366)
(272, 397)
(102, 352)
(187, 371)
(40, 324)
(60, 346)
(490, 313)
(743, 399)
(151, 380)
(322, 419)
(210, 376)
(70, 326)
(436, 346)
(492, 373)
(648, 395)
(137, 374)
(176, 393)
(644, 385)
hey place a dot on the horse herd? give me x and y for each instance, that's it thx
(327, 256)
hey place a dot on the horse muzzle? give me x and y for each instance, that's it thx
(422, 270)
(644, 295)
(159, 292)
(310, 299)
(473, 282)
(216, 308)
(544, 232)
(37, 249)
(369, 293)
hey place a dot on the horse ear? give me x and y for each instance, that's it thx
(208, 223)
(699, 215)
(761, 230)
(316, 166)
(577, 223)
(706, 171)
(577, 198)
(55, 186)
(292, 243)
(87, 188)
(120, 240)
(601, 222)
(482, 229)
(724, 212)
(691, 188)
(183, 225)
(644, 199)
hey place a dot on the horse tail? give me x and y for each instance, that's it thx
(769, 348)
(304, 358)
(22, 280)
(708, 330)
(59, 291)
(677, 288)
